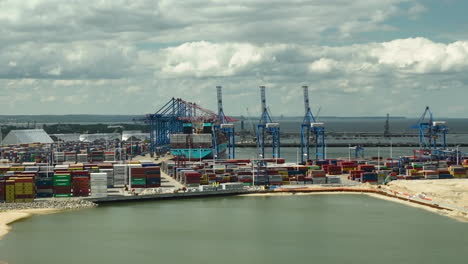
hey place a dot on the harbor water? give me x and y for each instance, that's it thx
(289, 229)
(293, 154)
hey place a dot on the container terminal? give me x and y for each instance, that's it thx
(191, 152)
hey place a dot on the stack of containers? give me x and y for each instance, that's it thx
(120, 174)
(98, 184)
(232, 186)
(275, 179)
(244, 176)
(318, 176)
(153, 177)
(97, 156)
(70, 156)
(83, 157)
(457, 171)
(284, 175)
(80, 186)
(444, 173)
(44, 187)
(109, 156)
(59, 156)
(366, 168)
(2, 190)
(191, 178)
(334, 170)
(110, 176)
(24, 189)
(10, 191)
(370, 177)
(80, 183)
(259, 179)
(62, 185)
(347, 166)
(138, 177)
(431, 174)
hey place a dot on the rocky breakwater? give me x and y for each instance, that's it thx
(55, 204)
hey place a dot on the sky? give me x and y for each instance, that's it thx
(358, 57)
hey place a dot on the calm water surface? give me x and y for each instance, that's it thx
(292, 229)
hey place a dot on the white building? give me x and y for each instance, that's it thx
(27, 136)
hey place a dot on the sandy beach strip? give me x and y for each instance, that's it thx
(11, 216)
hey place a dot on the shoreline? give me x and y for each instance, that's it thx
(11, 216)
(456, 215)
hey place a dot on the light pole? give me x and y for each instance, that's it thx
(378, 158)
(458, 155)
(349, 152)
(391, 149)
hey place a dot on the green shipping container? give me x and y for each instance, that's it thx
(61, 177)
(62, 180)
(138, 181)
(61, 184)
(62, 195)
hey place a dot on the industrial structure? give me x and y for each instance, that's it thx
(265, 127)
(170, 120)
(432, 134)
(27, 136)
(225, 127)
(309, 127)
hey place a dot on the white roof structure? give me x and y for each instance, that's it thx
(27, 136)
(127, 134)
(100, 136)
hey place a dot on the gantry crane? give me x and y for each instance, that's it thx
(170, 118)
(311, 126)
(267, 126)
(432, 134)
(225, 127)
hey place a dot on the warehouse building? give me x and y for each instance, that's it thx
(27, 136)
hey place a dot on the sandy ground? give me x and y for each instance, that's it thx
(453, 192)
(12, 216)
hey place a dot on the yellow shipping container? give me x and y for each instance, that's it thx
(28, 188)
(28, 200)
(19, 188)
(19, 200)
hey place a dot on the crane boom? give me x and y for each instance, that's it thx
(306, 98)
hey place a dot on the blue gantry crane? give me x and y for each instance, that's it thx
(432, 134)
(224, 126)
(311, 126)
(170, 119)
(267, 127)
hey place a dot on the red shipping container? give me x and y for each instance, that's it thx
(62, 189)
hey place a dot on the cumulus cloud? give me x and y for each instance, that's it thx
(200, 59)
(129, 57)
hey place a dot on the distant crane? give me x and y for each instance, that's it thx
(224, 127)
(358, 152)
(387, 126)
(267, 126)
(430, 132)
(310, 125)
